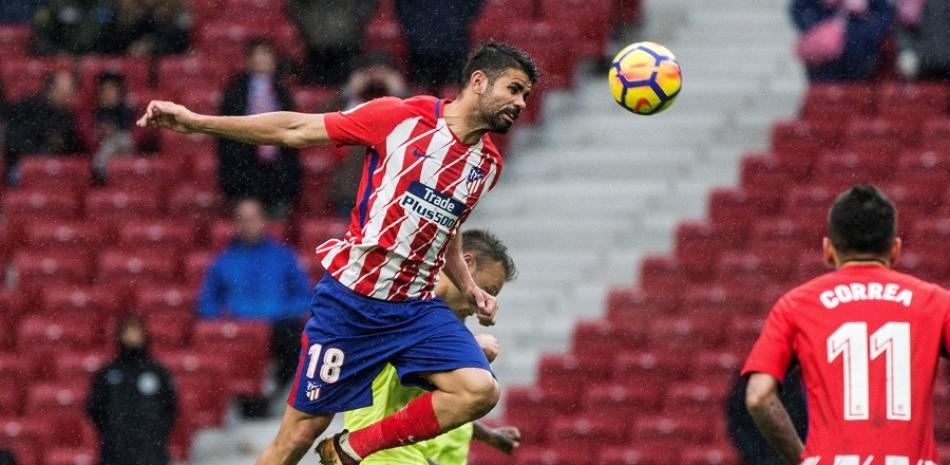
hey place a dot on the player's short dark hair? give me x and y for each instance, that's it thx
(486, 246)
(862, 221)
(494, 58)
(252, 44)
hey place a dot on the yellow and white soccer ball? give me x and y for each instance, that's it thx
(645, 78)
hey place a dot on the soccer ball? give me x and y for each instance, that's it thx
(645, 78)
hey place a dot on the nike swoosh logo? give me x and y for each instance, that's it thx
(419, 153)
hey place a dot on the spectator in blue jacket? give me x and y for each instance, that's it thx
(259, 278)
(868, 23)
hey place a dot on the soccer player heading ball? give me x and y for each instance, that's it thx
(868, 340)
(428, 163)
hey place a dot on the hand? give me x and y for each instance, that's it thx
(168, 115)
(505, 439)
(485, 305)
(489, 345)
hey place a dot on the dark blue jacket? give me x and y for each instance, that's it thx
(263, 280)
(864, 36)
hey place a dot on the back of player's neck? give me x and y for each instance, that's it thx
(859, 262)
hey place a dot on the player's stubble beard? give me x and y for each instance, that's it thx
(494, 119)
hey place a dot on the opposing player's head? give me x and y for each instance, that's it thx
(862, 226)
(260, 56)
(249, 222)
(499, 77)
(488, 262)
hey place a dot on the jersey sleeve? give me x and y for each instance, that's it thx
(367, 124)
(772, 352)
(944, 297)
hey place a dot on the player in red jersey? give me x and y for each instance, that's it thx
(428, 163)
(868, 340)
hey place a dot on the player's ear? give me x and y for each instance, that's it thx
(896, 251)
(479, 81)
(470, 261)
(829, 251)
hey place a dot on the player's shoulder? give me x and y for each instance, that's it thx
(489, 147)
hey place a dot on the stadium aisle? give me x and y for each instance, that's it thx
(593, 190)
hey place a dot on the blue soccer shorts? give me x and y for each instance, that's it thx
(350, 337)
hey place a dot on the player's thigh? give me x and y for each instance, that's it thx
(470, 381)
(301, 428)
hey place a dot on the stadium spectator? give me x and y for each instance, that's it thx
(70, 27)
(923, 35)
(132, 402)
(7, 457)
(108, 127)
(841, 39)
(268, 173)
(43, 123)
(19, 11)
(147, 28)
(332, 30)
(748, 441)
(258, 278)
(437, 33)
(375, 76)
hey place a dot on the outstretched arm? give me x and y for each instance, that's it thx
(503, 438)
(276, 128)
(770, 416)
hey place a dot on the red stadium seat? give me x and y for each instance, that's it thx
(646, 454)
(571, 372)
(168, 331)
(701, 329)
(623, 401)
(739, 270)
(247, 341)
(27, 205)
(76, 366)
(913, 102)
(67, 173)
(762, 172)
(926, 168)
(181, 73)
(532, 408)
(928, 236)
(189, 145)
(7, 334)
(810, 203)
(124, 205)
(914, 200)
(204, 100)
(878, 137)
(199, 395)
(674, 430)
(716, 364)
(706, 455)
(924, 264)
(11, 400)
(700, 396)
(773, 239)
(600, 337)
(15, 40)
(24, 76)
(130, 268)
(698, 246)
(71, 456)
(313, 99)
(595, 432)
(317, 164)
(173, 236)
(564, 455)
(196, 265)
(384, 34)
(810, 265)
(29, 432)
(743, 331)
(165, 299)
(658, 368)
(13, 304)
(587, 16)
(838, 102)
(661, 275)
(936, 134)
(41, 268)
(194, 202)
(81, 236)
(91, 302)
(315, 232)
(189, 362)
(134, 70)
(57, 397)
(623, 302)
(732, 211)
(797, 144)
(18, 369)
(49, 333)
(130, 172)
(840, 170)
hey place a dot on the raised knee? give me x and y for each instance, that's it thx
(482, 394)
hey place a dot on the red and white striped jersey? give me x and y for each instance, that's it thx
(419, 185)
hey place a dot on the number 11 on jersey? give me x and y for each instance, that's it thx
(850, 342)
